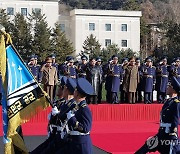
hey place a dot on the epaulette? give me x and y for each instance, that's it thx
(153, 67)
(83, 105)
(176, 100)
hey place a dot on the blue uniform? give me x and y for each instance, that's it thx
(162, 75)
(148, 81)
(175, 71)
(70, 71)
(80, 127)
(168, 131)
(115, 74)
(35, 70)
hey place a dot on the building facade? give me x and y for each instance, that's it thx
(109, 26)
(50, 9)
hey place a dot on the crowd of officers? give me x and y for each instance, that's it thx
(132, 80)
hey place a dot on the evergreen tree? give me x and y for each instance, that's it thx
(21, 35)
(108, 52)
(4, 20)
(61, 46)
(92, 46)
(42, 35)
(173, 40)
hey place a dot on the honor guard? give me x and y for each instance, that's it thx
(162, 75)
(82, 67)
(70, 68)
(80, 122)
(115, 72)
(93, 75)
(148, 72)
(34, 67)
(166, 141)
(175, 69)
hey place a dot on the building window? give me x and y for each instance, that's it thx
(36, 10)
(124, 43)
(108, 27)
(92, 26)
(124, 27)
(62, 27)
(10, 11)
(24, 11)
(107, 42)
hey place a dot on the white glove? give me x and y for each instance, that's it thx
(70, 115)
(54, 111)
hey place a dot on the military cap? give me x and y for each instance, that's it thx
(98, 59)
(53, 56)
(164, 58)
(177, 59)
(63, 81)
(114, 56)
(32, 57)
(71, 85)
(84, 57)
(84, 87)
(125, 60)
(35, 57)
(69, 58)
(175, 84)
(148, 59)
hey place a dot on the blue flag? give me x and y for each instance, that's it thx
(22, 97)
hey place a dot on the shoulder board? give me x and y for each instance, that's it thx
(153, 67)
(83, 105)
(176, 100)
(38, 65)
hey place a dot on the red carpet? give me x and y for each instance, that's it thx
(117, 129)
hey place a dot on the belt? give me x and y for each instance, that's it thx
(115, 75)
(148, 76)
(73, 76)
(82, 74)
(166, 126)
(78, 133)
(165, 76)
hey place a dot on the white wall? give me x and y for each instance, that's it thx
(78, 29)
(50, 9)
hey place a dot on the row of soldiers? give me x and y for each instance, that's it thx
(133, 79)
(70, 120)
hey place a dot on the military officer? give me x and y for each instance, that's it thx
(131, 80)
(93, 75)
(148, 72)
(80, 122)
(106, 67)
(34, 67)
(115, 71)
(139, 86)
(101, 78)
(70, 68)
(162, 75)
(124, 97)
(166, 140)
(82, 67)
(175, 69)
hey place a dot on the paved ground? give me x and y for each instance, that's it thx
(34, 141)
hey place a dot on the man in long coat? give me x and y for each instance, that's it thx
(131, 80)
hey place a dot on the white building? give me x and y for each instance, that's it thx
(50, 9)
(109, 26)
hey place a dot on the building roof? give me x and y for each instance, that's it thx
(118, 13)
